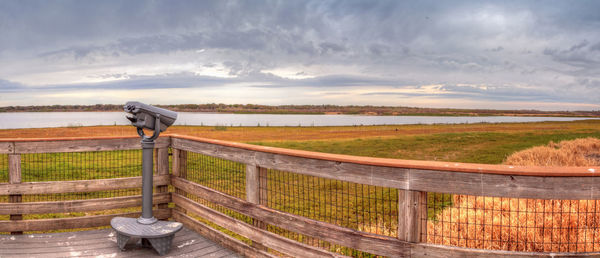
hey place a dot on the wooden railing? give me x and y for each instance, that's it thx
(267, 218)
(16, 189)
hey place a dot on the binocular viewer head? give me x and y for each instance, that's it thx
(144, 116)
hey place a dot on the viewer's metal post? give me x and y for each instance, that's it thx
(147, 180)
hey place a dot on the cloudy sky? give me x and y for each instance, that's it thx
(465, 54)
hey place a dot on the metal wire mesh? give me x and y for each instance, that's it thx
(3, 179)
(458, 220)
(318, 243)
(357, 206)
(222, 175)
(3, 168)
(80, 196)
(40, 167)
(223, 210)
(514, 224)
(362, 207)
(80, 165)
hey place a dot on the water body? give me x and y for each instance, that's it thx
(66, 119)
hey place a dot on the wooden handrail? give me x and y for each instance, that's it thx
(443, 177)
(52, 187)
(22, 146)
(332, 233)
(269, 239)
(50, 139)
(76, 222)
(79, 205)
(411, 164)
(412, 178)
(7, 145)
(427, 180)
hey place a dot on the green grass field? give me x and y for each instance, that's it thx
(365, 208)
(471, 147)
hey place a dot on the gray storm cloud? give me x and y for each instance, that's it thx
(481, 51)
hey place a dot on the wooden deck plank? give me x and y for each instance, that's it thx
(72, 222)
(54, 237)
(103, 243)
(204, 251)
(50, 239)
(218, 254)
(183, 252)
(109, 249)
(233, 255)
(138, 251)
(73, 243)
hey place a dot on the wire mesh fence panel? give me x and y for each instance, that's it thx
(3, 175)
(222, 175)
(318, 243)
(80, 196)
(170, 187)
(170, 160)
(72, 166)
(221, 209)
(357, 206)
(4, 179)
(3, 168)
(39, 167)
(513, 224)
(82, 213)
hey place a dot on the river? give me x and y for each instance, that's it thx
(69, 119)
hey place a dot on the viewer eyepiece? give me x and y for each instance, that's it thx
(133, 119)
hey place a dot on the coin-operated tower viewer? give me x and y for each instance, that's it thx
(152, 232)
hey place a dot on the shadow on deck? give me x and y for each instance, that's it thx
(103, 243)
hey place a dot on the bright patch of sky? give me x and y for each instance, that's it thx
(462, 54)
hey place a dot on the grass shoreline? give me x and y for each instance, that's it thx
(309, 109)
(479, 143)
(473, 143)
(339, 113)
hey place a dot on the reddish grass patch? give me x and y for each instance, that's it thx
(579, 152)
(530, 225)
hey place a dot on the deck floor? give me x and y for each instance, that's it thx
(103, 243)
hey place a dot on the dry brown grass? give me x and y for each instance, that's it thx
(245, 134)
(474, 222)
(526, 224)
(518, 224)
(579, 152)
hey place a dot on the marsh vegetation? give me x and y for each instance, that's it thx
(460, 220)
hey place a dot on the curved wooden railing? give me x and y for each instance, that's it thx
(209, 192)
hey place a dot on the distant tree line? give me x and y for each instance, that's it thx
(307, 109)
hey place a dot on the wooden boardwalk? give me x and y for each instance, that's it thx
(102, 243)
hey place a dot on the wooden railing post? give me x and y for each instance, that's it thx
(179, 170)
(412, 216)
(252, 184)
(14, 177)
(162, 168)
(256, 184)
